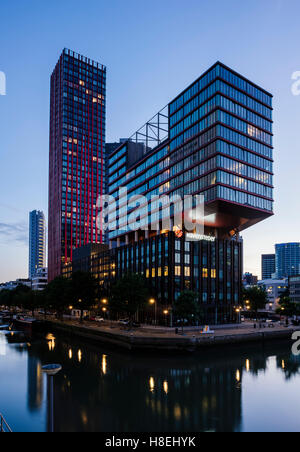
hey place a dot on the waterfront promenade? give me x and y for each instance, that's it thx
(165, 339)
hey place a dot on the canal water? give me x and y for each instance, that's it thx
(250, 388)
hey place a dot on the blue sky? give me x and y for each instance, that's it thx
(152, 51)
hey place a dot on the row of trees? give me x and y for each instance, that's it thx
(256, 298)
(128, 296)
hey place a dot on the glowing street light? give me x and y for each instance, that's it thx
(153, 303)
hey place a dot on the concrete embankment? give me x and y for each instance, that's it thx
(142, 341)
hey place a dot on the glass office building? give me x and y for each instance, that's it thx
(268, 266)
(214, 139)
(77, 156)
(287, 260)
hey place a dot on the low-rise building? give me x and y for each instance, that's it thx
(294, 288)
(274, 288)
(40, 280)
(11, 285)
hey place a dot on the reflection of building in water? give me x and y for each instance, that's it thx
(35, 383)
(111, 393)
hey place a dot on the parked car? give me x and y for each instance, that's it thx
(124, 322)
(99, 319)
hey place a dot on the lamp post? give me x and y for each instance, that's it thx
(238, 311)
(51, 370)
(153, 302)
(166, 313)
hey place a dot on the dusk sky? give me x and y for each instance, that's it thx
(152, 51)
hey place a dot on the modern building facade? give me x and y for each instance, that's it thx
(294, 288)
(268, 266)
(274, 288)
(77, 156)
(287, 260)
(40, 279)
(37, 242)
(214, 140)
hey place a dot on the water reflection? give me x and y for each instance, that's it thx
(35, 383)
(202, 392)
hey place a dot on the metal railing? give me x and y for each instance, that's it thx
(4, 427)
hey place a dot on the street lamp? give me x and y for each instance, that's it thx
(166, 313)
(153, 303)
(51, 370)
(238, 311)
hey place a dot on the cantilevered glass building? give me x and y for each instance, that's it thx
(215, 140)
(77, 156)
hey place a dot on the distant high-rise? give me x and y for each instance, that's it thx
(37, 242)
(287, 260)
(77, 156)
(268, 266)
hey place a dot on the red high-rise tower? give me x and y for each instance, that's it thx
(76, 158)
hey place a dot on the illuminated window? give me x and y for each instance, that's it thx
(187, 271)
(205, 273)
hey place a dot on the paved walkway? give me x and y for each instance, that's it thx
(152, 332)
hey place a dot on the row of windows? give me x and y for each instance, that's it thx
(150, 161)
(223, 102)
(213, 148)
(244, 127)
(222, 162)
(245, 86)
(121, 162)
(244, 184)
(117, 174)
(220, 71)
(218, 116)
(244, 170)
(241, 140)
(157, 156)
(244, 113)
(244, 198)
(245, 156)
(224, 132)
(193, 90)
(249, 103)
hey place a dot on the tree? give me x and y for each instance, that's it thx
(186, 306)
(256, 298)
(58, 293)
(6, 298)
(129, 295)
(20, 295)
(287, 308)
(84, 288)
(33, 300)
